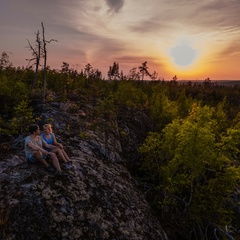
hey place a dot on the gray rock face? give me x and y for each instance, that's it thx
(98, 198)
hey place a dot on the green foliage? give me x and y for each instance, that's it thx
(3, 128)
(106, 109)
(12, 90)
(192, 152)
(194, 168)
(184, 104)
(220, 115)
(84, 135)
(23, 117)
(155, 156)
(129, 95)
(162, 109)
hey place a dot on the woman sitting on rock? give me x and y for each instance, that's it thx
(50, 138)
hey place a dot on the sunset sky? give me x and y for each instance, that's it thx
(193, 39)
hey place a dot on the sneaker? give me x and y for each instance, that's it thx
(67, 165)
(50, 169)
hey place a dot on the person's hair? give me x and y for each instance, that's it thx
(33, 128)
(48, 125)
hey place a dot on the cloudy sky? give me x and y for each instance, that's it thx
(193, 39)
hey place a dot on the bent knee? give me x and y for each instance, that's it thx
(52, 154)
(37, 154)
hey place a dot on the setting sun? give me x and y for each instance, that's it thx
(188, 55)
(183, 55)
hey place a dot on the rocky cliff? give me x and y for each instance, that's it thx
(97, 199)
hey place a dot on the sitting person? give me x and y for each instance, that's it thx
(35, 152)
(49, 137)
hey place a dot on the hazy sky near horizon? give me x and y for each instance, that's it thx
(193, 39)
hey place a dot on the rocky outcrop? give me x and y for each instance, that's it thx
(97, 199)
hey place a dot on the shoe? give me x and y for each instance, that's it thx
(50, 169)
(67, 165)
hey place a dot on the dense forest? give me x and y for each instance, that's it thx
(187, 162)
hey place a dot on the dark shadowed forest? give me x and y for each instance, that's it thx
(186, 161)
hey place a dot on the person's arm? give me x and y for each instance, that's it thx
(55, 142)
(46, 145)
(37, 148)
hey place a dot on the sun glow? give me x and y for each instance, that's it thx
(185, 56)
(183, 52)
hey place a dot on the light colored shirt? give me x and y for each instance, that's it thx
(40, 143)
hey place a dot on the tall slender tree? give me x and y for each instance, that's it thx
(36, 53)
(44, 54)
(88, 70)
(144, 70)
(4, 61)
(113, 73)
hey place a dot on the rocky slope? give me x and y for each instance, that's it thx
(98, 198)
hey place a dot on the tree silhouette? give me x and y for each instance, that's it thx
(44, 53)
(133, 74)
(36, 53)
(88, 70)
(5, 61)
(144, 70)
(113, 73)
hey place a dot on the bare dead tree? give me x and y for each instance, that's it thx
(36, 53)
(44, 54)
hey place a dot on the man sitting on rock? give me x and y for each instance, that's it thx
(35, 152)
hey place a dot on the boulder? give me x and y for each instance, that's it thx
(97, 199)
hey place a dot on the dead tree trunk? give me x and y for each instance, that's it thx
(36, 53)
(44, 53)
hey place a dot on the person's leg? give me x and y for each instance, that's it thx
(31, 159)
(39, 157)
(66, 156)
(60, 153)
(55, 161)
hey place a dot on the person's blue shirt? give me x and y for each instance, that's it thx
(49, 141)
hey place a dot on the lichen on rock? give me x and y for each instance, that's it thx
(98, 198)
